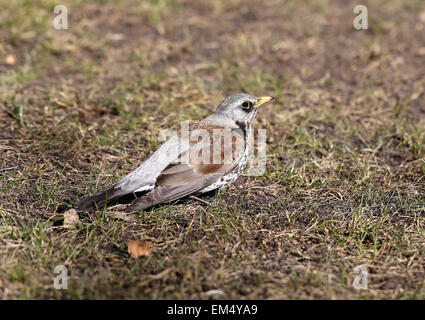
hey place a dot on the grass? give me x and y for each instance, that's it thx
(344, 184)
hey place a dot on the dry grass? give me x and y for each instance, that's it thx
(344, 185)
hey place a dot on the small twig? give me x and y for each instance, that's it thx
(200, 200)
(7, 169)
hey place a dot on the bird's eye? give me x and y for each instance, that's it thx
(246, 104)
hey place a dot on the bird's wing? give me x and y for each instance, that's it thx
(144, 177)
(191, 173)
(199, 136)
(187, 183)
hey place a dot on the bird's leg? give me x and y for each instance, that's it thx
(200, 200)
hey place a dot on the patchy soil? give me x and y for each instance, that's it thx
(344, 185)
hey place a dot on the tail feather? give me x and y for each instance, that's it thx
(100, 199)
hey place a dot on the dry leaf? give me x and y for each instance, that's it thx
(70, 218)
(135, 249)
(10, 59)
(115, 36)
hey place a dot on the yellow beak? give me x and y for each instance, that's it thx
(262, 100)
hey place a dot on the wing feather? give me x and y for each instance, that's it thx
(180, 179)
(168, 172)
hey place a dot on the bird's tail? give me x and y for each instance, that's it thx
(100, 199)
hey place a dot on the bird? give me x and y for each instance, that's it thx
(205, 156)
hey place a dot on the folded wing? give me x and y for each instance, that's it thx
(190, 174)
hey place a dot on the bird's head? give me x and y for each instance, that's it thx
(241, 107)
